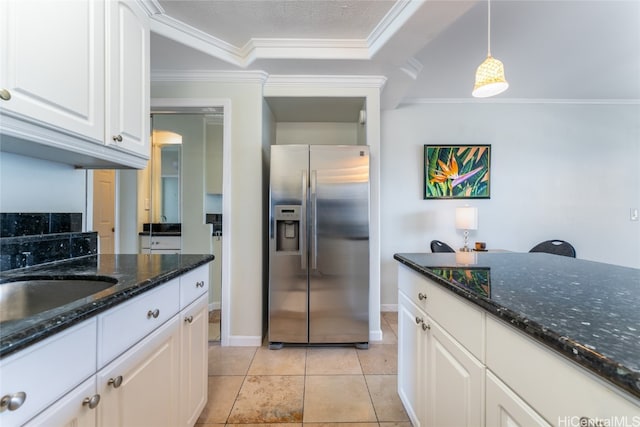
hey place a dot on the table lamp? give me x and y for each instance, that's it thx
(466, 219)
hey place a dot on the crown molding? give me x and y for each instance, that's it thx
(397, 16)
(151, 7)
(413, 101)
(412, 68)
(279, 48)
(377, 82)
(209, 76)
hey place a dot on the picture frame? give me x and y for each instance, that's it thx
(457, 171)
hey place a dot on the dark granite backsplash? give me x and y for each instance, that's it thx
(29, 224)
(29, 239)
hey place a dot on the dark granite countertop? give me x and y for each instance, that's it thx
(587, 311)
(160, 233)
(136, 274)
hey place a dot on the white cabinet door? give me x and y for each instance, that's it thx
(194, 361)
(76, 409)
(127, 78)
(455, 386)
(52, 64)
(412, 348)
(139, 387)
(506, 409)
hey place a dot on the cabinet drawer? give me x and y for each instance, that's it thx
(160, 242)
(48, 370)
(193, 284)
(555, 387)
(126, 324)
(458, 317)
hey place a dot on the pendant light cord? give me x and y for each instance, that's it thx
(488, 27)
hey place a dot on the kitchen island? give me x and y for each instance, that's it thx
(514, 314)
(85, 362)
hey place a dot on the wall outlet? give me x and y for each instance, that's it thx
(633, 214)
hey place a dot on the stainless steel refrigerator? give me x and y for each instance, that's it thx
(319, 245)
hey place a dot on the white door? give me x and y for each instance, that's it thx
(104, 209)
(145, 380)
(128, 78)
(52, 63)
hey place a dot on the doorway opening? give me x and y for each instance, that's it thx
(199, 177)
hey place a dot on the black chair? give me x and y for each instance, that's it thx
(555, 247)
(438, 246)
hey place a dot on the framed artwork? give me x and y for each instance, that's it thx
(457, 171)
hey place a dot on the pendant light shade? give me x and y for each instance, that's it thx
(490, 78)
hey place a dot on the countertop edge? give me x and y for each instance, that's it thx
(39, 332)
(602, 366)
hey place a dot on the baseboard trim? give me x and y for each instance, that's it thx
(244, 341)
(214, 305)
(389, 307)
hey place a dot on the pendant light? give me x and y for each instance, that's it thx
(490, 79)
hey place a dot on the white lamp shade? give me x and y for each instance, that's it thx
(467, 218)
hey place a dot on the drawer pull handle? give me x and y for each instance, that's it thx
(419, 320)
(200, 284)
(117, 138)
(188, 319)
(153, 313)
(12, 401)
(422, 296)
(5, 95)
(115, 382)
(426, 326)
(92, 401)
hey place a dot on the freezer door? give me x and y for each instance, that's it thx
(288, 277)
(339, 244)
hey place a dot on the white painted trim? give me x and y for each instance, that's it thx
(262, 48)
(413, 101)
(351, 81)
(209, 76)
(375, 335)
(412, 68)
(397, 16)
(214, 305)
(225, 103)
(244, 341)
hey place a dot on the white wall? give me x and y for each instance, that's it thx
(558, 171)
(33, 185)
(316, 133)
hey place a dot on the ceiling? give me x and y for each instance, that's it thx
(552, 50)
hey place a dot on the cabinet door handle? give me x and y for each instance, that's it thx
(422, 296)
(419, 320)
(92, 401)
(426, 326)
(117, 138)
(5, 95)
(13, 401)
(188, 319)
(200, 284)
(153, 313)
(115, 382)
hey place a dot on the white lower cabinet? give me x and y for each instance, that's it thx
(506, 409)
(194, 360)
(496, 376)
(76, 409)
(140, 387)
(439, 382)
(158, 379)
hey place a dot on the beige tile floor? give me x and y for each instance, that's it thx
(314, 386)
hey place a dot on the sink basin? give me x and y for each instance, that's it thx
(26, 297)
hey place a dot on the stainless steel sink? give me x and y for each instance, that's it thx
(26, 297)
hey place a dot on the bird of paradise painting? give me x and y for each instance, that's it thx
(457, 171)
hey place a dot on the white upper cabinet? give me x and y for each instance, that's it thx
(53, 64)
(74, 81)
(128, 71)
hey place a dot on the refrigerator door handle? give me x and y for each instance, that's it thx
(303, 223)
(314, 220)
